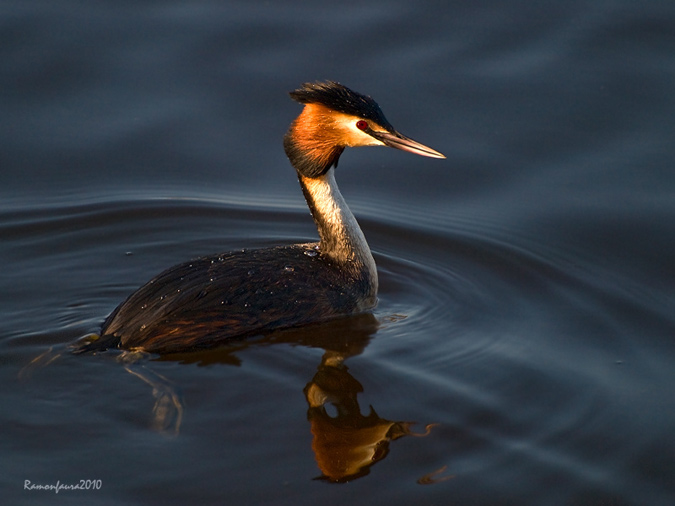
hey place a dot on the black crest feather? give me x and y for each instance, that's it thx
(340, 98)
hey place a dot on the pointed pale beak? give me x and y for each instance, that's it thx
(400, 141)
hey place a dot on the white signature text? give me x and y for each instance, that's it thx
(58, 486)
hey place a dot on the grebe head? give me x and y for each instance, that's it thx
(335, 117)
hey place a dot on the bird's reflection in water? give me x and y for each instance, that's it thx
(346, 443)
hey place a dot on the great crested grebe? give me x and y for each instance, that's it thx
(207, 301)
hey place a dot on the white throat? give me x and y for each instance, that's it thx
(340, 234)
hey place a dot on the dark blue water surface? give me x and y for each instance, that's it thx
(523, 350)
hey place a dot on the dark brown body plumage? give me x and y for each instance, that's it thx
(210, 300)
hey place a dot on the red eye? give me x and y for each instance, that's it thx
(362, 125)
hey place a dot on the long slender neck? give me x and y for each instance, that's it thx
(341, 237)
